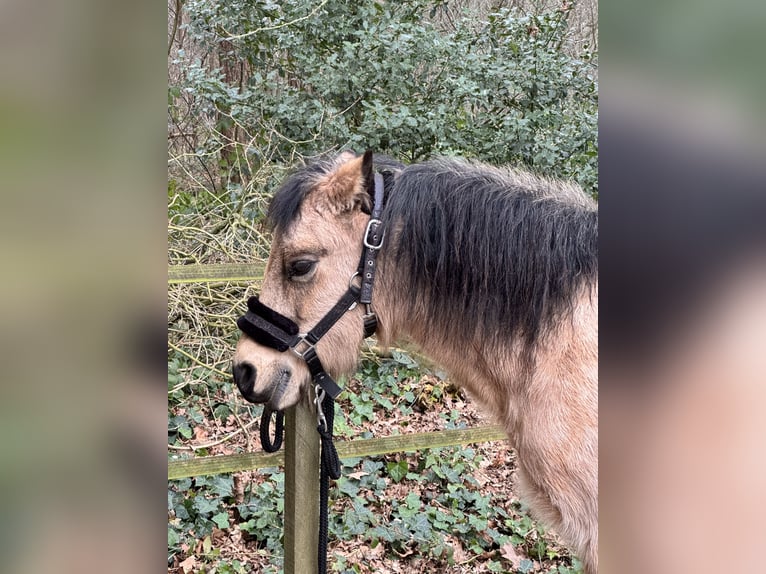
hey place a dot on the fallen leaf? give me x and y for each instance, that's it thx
(376, 553)
(188, 564)
(508, 551)
(459, 554)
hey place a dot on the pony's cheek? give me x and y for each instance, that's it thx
(340, 348)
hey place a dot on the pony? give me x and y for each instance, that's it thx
(491, 272)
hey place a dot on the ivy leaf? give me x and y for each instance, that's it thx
(173, 538)
(222, 485)
(397, 470)
(348, 487)
(185, 430)
(204, 506)
(222, 520)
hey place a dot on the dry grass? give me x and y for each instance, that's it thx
(206, 227)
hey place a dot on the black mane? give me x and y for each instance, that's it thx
(493, 252)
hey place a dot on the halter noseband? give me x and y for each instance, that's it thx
(274, 330)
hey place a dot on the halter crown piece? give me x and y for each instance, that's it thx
(272, 329)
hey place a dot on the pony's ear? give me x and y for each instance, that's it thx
(344, 189)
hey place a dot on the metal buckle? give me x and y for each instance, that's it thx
(367, 235)
(302, 339)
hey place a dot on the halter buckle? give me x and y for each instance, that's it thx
(302, 340)
(367, 242)
(351, 280)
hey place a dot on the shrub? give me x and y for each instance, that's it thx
(392, 76)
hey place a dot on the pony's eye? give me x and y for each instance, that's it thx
(300, 268)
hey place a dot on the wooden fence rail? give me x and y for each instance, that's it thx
(233, 272)
(301, 454)
(220, 464)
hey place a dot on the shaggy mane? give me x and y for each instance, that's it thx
(489, 251)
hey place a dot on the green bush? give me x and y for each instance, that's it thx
(395, 77)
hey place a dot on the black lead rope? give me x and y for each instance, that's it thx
(279, 430)
(329, 464)
(330, 469)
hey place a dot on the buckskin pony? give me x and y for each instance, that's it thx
(491, 272)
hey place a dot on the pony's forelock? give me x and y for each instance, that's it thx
(285, 206)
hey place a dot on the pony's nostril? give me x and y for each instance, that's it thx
(244, 377)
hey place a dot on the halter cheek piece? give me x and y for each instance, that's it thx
(271, 329)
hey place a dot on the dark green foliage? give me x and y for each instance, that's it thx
(443, 503)
(388, 76)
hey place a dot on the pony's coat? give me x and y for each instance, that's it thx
(492, 272)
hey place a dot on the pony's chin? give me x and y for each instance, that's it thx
(282, 403)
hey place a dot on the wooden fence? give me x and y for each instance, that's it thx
(301, 453)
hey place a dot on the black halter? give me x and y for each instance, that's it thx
(271, 329)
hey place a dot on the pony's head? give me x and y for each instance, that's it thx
(318, 218)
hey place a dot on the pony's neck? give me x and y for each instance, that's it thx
(466, 363)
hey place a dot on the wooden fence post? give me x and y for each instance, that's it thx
(301, 489)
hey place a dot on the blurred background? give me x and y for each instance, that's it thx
(682, 377)
(84, 113)
(82, 408)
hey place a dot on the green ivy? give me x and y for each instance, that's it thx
(443, 499)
